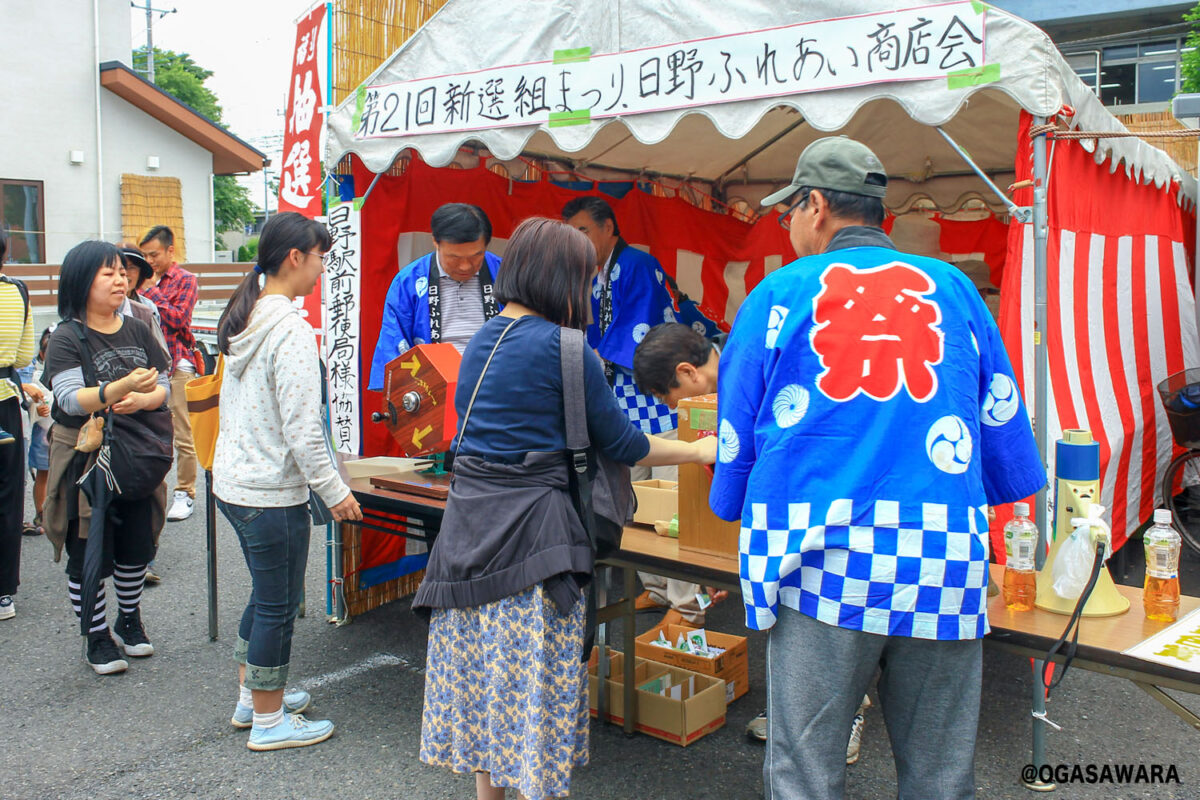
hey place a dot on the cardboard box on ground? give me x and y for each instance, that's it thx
(731, 666)
(656, 500)
(673, 704)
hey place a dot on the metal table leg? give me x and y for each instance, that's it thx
(210, 525)
(1174, 706)
(335, 597)
(1039, 727)
(602, 667)
(629, 576)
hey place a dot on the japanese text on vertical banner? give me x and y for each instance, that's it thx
(578, 86)
(341, 284)
(300, 176)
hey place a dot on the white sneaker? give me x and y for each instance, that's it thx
(181, 507)
(7, 609)
(856, 727)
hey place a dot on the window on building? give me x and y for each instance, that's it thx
(1132, 72)
(1087, 67)
(24, 217)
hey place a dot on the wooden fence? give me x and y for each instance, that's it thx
(216, 281)
(1182, 150)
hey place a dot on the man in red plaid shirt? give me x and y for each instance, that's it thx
(174, 292)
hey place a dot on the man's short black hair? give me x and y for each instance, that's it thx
(665, 347)
(459, 223)
(596, 207)
(3, 245)
(856, 207)
(161, 233)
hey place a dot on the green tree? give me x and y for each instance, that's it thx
(249, 251)
(182, 78)
(1190, 62)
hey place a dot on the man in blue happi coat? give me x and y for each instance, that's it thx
(444, 296)
(629, 297)
(868, 416)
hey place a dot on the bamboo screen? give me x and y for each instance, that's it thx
(147, 201)
(367, 32)
(1182, 150)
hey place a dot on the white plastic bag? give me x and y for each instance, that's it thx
(1073, 564)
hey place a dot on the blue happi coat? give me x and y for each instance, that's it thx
(640, 301)
(406, 313)
(868, 415)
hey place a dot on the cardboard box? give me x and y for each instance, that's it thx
(378, 465)
(656, 499)
(701, 530)
(698, 710)
(732, 666)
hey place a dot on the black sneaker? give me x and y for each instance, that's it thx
(131, 634)
(102, 654)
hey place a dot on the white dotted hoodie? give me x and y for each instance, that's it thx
(272, 445)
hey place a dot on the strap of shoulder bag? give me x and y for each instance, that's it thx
(575, 416)
(471, 404)
(85, 353)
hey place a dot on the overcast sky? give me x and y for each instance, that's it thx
(246, 44)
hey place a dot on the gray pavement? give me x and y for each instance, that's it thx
(162, 729)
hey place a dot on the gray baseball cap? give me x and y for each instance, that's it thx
(838, 163)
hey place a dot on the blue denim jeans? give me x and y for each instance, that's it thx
(275, 543)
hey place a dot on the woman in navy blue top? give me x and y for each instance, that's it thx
(505, 685)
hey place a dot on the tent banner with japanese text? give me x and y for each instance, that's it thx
(300, 173)
(576, 86)
(341, 285)
(300, 176)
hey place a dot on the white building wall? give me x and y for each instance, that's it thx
(48, 91)
(130, 137)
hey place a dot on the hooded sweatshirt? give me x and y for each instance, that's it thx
(272, 446)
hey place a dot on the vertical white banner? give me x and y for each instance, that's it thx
(342, 289)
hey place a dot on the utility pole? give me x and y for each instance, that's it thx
(150, 12)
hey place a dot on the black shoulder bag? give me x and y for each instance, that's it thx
(137, 450)
(600, 487)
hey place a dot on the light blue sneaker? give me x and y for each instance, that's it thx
(293, 703)
(294, 731)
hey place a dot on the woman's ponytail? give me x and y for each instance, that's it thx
(282, 234)
(237, 311)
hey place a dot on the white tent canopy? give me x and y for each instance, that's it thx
(751, 143)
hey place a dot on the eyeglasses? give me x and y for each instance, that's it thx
(785, 219)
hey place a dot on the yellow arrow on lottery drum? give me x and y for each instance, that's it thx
(412, 366)
(418, 435)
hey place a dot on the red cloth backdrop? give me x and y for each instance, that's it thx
(1121, 318)
(736, 255)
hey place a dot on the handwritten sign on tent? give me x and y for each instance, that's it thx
(342, 281)
(578, 86)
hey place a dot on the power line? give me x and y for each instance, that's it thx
(150, 12)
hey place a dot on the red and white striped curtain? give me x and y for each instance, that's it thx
(1121, 317)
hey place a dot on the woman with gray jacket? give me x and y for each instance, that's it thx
(271, 452)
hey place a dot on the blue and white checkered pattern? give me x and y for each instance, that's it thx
(890, 568)
(643, 410)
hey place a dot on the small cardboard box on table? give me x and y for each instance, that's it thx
(656, 500)
(700, 530)
(732, 666)
(700, 709)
